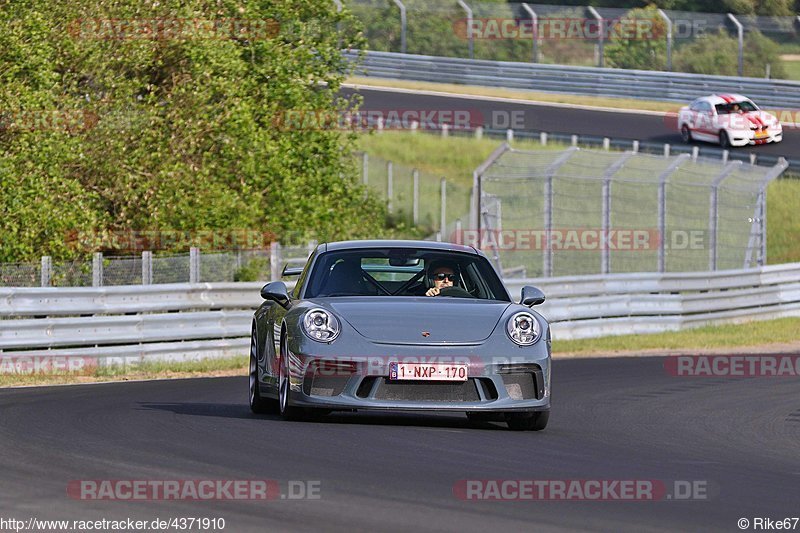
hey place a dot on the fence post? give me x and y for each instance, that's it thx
(389, 185)
(606, 144)
(194, 265)
(97, 269)
(403, 25)
(669, 38)
(443, 187)
(600, 36)
(365, 168)
(459, 237)
(543, 138)
(535, 23)
(479, 132)
(147, 268)
(445, 130)
(713, 214)
(415, 207)
(666, 150)
(635, 147)
(509, 135)
(547, 256)
(47, 270)
(470, 37)
(275, 261)
(740, 38)
(662, 210)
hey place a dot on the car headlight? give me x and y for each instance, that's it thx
(523, 328)
(321, 325)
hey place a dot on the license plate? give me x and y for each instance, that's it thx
(761, 134)
(429, 371)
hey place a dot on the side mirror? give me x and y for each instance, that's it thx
(276, 291)
(531, 296)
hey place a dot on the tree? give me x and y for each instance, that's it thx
(638, 41)
(184, 121)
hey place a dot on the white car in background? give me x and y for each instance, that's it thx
(728, 119)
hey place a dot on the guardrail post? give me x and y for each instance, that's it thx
(574, 140)
(443, 195)
(509, 135)
(470, 36)
(194, 265)
(669, 38)
(600, 35)
(535, 24)
(713, 213)
(445, 130)
(403, 25)
(389, 185)
(740, 36)
(666, 150)
(695, 152)
(543, 138)
(662, 209)
(97, 269)
(147, 268)
(479, 132)
(275, 261)
(415, 206)
(47, 270)
(606, 143)
(725, 155)
(635, 147)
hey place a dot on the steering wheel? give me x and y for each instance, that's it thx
(455, 292)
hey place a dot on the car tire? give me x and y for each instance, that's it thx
(285, 407)
(535, 421)
(724, 140)
(258, 404)
(686, 134)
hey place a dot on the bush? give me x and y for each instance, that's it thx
(717, 54)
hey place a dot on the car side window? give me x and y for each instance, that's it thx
(695, 106)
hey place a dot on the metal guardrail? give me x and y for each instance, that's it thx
(641, 84)
(193, 321)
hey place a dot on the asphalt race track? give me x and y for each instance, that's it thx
(616, 125)
(613, 419)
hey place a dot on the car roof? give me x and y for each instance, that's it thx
(725, 98)
(426, 245)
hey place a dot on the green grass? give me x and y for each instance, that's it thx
(144, 370)
(750, 334)
(792, 70)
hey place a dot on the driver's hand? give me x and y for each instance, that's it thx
(433, 291)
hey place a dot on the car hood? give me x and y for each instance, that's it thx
(405, 321)
(746, 121)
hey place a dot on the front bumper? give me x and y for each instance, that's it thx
(494, 384)
(749, 138)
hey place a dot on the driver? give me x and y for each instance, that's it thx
(442, 275)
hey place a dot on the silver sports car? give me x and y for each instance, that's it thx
(400, 325)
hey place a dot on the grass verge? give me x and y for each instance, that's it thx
(230, 366)
(755, 334)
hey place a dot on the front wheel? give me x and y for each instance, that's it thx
(686, 134)
(536, 421)
(258, 404)
(287, 411)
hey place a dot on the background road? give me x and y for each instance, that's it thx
(616, 125)
(622, 418)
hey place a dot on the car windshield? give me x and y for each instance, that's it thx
(402, 272)
(735, 107)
